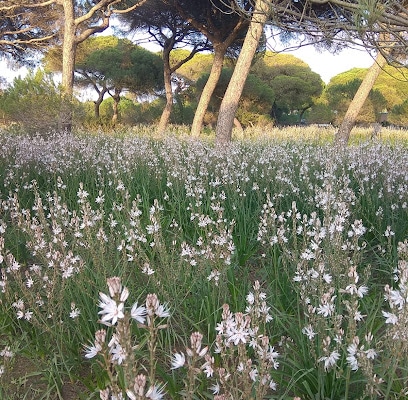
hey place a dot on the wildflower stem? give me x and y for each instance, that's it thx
(152, 349)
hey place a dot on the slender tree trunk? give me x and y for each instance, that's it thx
(343, 134)
(216, 69)
(97, 104)
(115, 106)
(68, 65)
(99, 100)
(165, 117)
(302, 113)
(229, 104)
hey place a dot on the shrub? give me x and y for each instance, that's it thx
(34, 103)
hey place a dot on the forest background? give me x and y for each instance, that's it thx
(281, 89)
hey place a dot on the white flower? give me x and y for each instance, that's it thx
(325, 309)
(253, 374)
(390, 318)
(239, 335)
(74, 313)
(111, 311)
(6, 352)
(371, 354)
(118, 352)
(92, 351)
(100, 199)
(351, 358)
(327, 278)
(178, 360)
(352, 349)
(273, 385)
(147, 270)
(352, 361)
(215, 388)
(361, 291)
(396, 299)
(28, 315)
(155, 392)
(138, 313)
(330, 360)
(208, 369)
(162, 311)
(29, 282)
(358, 316)
(308, 331)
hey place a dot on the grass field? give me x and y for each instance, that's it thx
(135, 267)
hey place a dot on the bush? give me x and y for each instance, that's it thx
(34, 103)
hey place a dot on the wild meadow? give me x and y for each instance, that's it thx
(135, 267)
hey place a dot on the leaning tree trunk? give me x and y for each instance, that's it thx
(165, 117)
(68, 65)
(229, 104)
(343, 134)
(98, 101)
(216, 69)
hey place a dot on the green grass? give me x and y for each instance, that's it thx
(77, 210)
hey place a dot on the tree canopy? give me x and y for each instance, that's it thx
(295, 85)
(224, 27)
(389, 93)
(22, 33)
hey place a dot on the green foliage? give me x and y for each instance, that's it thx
(193, 69)
(389, 93)
(320, 113)
(34, 103)
(256, 100)
(295, 85)
(125, 65)
(130, 113)
(270, 60)
(399, 114)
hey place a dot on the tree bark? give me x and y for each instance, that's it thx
(98, 102)
(165, 117)
(343, 134)
(115, 106)
(215, 73)
(72, 36)
(229, 104)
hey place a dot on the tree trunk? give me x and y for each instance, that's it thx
(68, 65)
(302, 113)
(99, 100)
(165, 117)
(115, 106)
(216, 69)
(97, 104)
(229, 104)
(343, 134)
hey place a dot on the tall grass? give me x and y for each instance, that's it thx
(273, 268)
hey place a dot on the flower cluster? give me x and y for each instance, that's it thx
(396, 318)
(117, 351)
(6, 354)
(243, 358)
(179, 217)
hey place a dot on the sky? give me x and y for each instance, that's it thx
(328, 65)
(324, 63)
